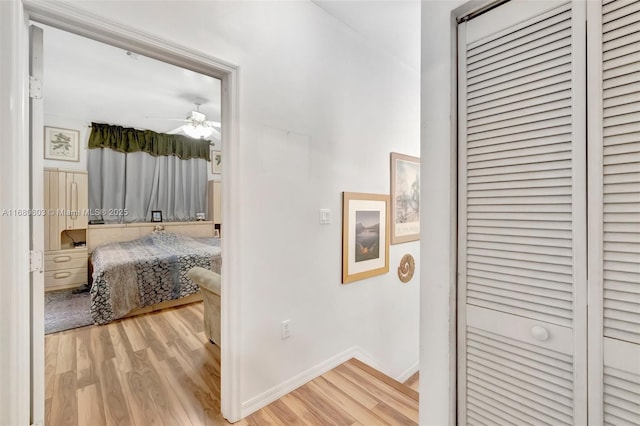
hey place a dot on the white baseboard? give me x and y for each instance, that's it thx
(408, 372)
(277, 392)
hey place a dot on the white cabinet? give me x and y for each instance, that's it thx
(66, 219)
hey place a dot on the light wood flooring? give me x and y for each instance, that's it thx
(159, 369)
(413, 381)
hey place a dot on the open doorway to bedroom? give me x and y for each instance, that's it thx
(132, 191)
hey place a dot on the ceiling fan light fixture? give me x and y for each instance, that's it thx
(197, 131)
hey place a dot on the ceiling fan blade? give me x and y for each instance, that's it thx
(169, 119)
(213, 124)
(174, 131)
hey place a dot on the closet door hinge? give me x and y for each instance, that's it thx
(35, 88)
(36, 261)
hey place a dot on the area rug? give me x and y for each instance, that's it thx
(66, 309)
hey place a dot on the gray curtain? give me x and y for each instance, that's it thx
(141, 183)
(106, 170)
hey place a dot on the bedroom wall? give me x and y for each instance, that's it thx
(320, 112)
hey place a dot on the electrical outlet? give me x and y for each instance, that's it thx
(284, 329)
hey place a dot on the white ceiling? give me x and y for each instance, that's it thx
(90, 81)
(392, 25)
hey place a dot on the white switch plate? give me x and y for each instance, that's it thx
(284, 330)
(325, 216)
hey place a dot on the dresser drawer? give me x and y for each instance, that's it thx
(65, 259)
(65, 278)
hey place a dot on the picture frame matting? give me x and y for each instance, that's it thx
(61, 144)
(405, 198)
(365, 235)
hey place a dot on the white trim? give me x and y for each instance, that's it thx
(595, 225)
(15, 393)
(231, 324)
(579, 180)
(455, 322)
(36, 141)
(280, 390)
(406, 374)
(461, 171)
(72, 19)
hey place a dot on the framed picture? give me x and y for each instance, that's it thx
(156, 216)
(405, 198)
(216, 162)
(365, 235)
(61, 144)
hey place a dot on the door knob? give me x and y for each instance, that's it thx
(540, 333)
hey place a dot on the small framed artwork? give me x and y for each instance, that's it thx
(405, 198)
(365, 235)
(61, 144)
(216, 162)
(156, 216)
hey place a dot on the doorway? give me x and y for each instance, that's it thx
(75, 21)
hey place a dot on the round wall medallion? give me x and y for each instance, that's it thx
(406, 268)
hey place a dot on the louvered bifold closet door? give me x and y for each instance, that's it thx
(617, 236)
(522, 216)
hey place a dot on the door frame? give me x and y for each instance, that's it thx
(14, 194)
(458, 15)
(74, 20)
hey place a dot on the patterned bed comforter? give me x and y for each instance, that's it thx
(146, 271)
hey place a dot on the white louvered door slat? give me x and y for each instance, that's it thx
(522, 214)
(615, 215)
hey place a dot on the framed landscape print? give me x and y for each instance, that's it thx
(61, 144)
(365, 235)
(405, 198)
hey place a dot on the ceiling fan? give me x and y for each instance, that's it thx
(196, 124)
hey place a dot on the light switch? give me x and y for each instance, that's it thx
(325, 216)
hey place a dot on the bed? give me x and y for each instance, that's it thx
(147, 271)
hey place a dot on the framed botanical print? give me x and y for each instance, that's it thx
(405, 198)
(216, 162)
(61, 144)
(365, 235)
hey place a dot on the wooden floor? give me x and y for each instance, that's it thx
(350, 394)
(159, 369)
(413, 381)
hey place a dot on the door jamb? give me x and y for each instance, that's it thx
(83, 23)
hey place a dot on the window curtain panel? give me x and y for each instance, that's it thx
(140, 183)
(107, 173)
(128, 140)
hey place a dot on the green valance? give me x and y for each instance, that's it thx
(126, 139)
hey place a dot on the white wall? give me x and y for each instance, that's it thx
(437, 353)
(320, 112)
